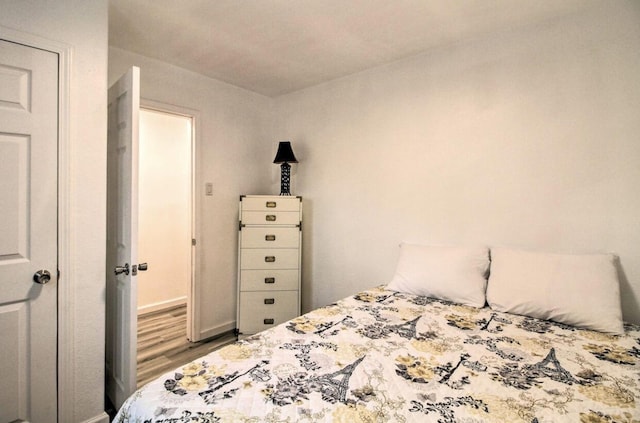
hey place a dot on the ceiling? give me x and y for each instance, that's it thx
(274, 47)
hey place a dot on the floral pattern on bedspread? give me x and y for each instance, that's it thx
(383, 356)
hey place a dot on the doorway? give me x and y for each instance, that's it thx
(165, 229)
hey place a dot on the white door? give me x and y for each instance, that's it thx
(28, 233)
(122, 236)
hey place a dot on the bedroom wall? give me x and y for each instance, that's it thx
(233, 129)
(80, 25)
(526, 139)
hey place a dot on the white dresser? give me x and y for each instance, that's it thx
(269, 256)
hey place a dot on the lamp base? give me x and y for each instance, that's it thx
(285, 178)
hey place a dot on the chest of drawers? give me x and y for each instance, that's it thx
(269, 258)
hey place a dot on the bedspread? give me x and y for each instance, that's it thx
(384, 356)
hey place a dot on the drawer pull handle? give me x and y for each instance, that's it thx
(269, 280)
(268, 321)
(269, 237)
(271, 204)
(269, 300)
(270, 218)
(270, 259)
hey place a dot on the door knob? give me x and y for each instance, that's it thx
(42, 277)
(122, 269)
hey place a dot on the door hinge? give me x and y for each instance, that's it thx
(193, 241)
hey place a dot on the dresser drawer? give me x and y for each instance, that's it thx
(259, 237)
(266, 258)
(264, 310)
(271, 203)
(270, 218)
(269, 280)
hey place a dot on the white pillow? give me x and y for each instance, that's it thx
(455, 274)
(579, 290)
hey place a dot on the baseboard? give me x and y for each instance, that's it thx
(217, 330)
(150, 308)
(100, 418)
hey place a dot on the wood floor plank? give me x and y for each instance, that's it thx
(163, 345)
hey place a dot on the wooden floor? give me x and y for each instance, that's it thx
(163, 344)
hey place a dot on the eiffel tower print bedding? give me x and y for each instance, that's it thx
(384, 356)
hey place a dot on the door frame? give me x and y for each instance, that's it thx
(194, 291)
(66, 281)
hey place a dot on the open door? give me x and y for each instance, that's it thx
(122, 237)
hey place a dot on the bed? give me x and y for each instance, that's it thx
(390, 355)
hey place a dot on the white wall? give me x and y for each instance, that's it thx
(525, 139)
(82, 26)
(164, 209)
(234, 154)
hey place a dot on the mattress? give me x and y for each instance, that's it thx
(385, 356)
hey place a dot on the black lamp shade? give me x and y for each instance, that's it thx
(285, 153)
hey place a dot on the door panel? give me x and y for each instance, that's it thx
(28, 232)
(14, 174)
(122, 236)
